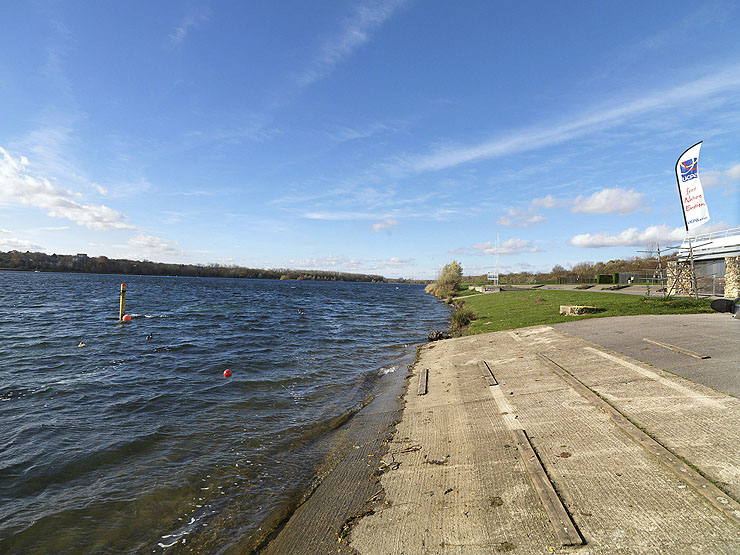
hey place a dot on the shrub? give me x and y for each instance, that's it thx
(461, 317)
(448, 281)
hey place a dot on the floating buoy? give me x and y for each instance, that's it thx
(227, 373)
(126, 318)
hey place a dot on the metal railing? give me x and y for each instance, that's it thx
(717, 234)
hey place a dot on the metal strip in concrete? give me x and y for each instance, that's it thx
(715, 496)
(487, 373)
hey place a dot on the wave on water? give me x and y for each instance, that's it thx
(136, 444)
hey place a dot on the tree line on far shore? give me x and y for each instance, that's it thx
(451, 276)
(31, 261)
(582, 271)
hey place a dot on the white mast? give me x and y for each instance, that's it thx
(496, 254)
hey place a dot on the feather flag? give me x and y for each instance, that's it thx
(695, 210)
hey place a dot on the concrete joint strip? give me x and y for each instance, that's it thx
(652, 375)
(681, 350)
(711, 493)
(423, 378)
(565, 529)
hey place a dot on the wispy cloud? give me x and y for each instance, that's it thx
(598, 118)
(19, 185)
(345, 133)
(48, 228)
(194, 19)
(346, 264)
(545, 202)
(339, 216)
(609, 201)
(356, 31)
(516, 217)
(366, 203)
(510, 246)
(385, 224)
(15, 244)
(49, 145)
(154, 246)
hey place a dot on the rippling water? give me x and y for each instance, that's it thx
(139, 445)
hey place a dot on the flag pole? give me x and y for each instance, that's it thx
(686, 222)
(693, 273)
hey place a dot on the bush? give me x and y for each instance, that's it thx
(461, 317)
(448, 281)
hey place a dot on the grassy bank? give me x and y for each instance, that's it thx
(517, 309)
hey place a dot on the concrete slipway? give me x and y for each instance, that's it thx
(537, 441)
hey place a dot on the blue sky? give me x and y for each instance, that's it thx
(380, 137)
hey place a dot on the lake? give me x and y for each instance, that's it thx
(137, 444)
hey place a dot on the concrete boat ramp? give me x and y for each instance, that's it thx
(539, 441)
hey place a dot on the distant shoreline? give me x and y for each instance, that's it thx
(158, 269)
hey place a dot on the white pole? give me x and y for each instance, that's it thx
(495, 275)
(693, 273)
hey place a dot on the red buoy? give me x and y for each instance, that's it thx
(227, 373)
(126, 317)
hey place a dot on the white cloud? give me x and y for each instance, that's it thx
(337, 216)
(609, 201)
(545, 202)
(516, 217)
(17, 185)
(598, 118)
(5, 231)
(346, 133)
(101, 190)
(734, 172)
(191, 21)
(49, 228)
(385, 224)
(15, 244)
(356, 32)
(631, 237)
(151, 245)
(510, 246)
(346, 264)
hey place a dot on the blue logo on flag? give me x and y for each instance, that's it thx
(689, 169)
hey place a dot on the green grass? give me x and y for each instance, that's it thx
(518, 309)
(466, 292)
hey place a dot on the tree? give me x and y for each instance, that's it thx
(448, 280)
